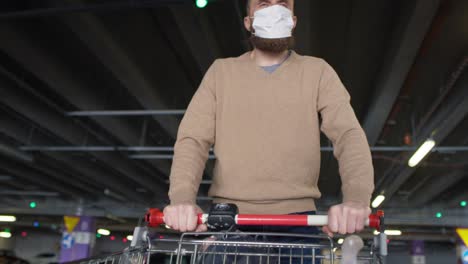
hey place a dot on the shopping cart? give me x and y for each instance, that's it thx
(228, 247)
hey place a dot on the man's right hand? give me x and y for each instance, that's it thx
(183, 218)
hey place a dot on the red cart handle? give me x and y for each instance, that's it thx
(155, 217)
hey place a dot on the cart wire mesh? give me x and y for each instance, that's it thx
(235, 248)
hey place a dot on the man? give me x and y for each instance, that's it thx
(261, 113)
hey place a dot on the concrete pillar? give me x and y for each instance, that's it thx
(78, 239)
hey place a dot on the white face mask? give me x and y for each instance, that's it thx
(273, 22)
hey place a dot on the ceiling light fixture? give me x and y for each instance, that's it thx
(390, 232)
(103, 232)
(7, 218)
(421, 152)
(377, 201)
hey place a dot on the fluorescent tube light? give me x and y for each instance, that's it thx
(421, 152)
(389, 232)
(7, 218)
(103, 232)
(377, 201)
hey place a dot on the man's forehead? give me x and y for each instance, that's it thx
(271, 1)
(254, 3)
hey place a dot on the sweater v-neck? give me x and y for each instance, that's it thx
(264, 74)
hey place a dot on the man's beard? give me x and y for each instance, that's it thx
(272, 45)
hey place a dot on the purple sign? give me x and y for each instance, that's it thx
(417, 247)
(417, 252)
(78, 243)
(463, 252)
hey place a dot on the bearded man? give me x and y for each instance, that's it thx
(262, 112)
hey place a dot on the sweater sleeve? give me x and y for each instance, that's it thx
(194, 138)
(351, 148)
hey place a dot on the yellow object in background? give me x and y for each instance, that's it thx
(71, 222)
(463, 233)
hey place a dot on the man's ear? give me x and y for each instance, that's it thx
(295, 21)
(247, 23)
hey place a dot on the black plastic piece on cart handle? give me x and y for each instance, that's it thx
(222, 216)
(381, 227)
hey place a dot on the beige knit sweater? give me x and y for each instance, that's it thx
(265, 131)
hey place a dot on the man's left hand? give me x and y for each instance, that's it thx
(346, 218)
